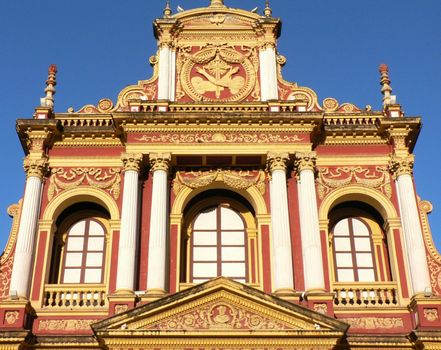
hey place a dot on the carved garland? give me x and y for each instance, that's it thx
(240, 180)
(328, 179)
(62, 179)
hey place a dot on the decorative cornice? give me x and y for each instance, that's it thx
(132, 161)
(401, 165)
(277, 161)
(160, 161)
(36, 167)
(305, 161)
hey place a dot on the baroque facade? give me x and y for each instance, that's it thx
(218, 206)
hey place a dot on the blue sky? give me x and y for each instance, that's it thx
(332, 46)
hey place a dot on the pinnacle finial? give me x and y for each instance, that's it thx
(267, 11)
(217, 3)
(167, 10)
(385, 83)
(48, 100)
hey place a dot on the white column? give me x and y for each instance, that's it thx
(281, 237)
(156, 275)
(24, 250)
(128, 238)
(268, 74)
(167, 73)
(309, 223)
(413, 235)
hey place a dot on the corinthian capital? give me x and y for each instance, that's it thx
(277, 161)
(401, 165)
(35, 167)
(131, 161)
(304, 161)
(160, 161)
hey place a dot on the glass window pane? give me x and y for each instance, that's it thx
(73, 259)
(230, 219)
(72, 276)
(366, 275)
(364, 260)
(95, 229)
(95, 243)
(233, 269)
(204, 238)
(342, 244)
(360, 228)
(92, 276)
(75, 243)
(362, 244)
(94, 260)
(204, 270)
(204, 254)
(345, 275)
(206, 220)
(233, 254)
(344, 260)
(342, 228)
(233, 238)
(78, 229)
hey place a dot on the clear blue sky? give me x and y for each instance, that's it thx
(332, 46)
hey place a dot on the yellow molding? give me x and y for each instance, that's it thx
(85, 161)
(344, 160)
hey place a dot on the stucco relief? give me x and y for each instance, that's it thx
(66, 325)
(374, 322)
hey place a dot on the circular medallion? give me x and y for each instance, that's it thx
(218, 74)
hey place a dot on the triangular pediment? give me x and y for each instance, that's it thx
(216, 307)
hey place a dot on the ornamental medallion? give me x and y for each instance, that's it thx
(218, 74)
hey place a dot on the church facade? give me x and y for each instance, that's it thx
(218, 206)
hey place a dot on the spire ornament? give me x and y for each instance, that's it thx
(167, 10)
(48, 100)
(267, 11)
(217, 3)
(385, 83)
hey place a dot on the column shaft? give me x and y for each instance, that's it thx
(268, 74)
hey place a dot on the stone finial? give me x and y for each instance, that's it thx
(48, 100)
(167, 10)
(385, 83)
(217, 3)
(267, 11)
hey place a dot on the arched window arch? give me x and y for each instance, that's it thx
(80, 246)
(359, 245)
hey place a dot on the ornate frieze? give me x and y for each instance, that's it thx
(5, 276)
(374, 322)
(131, 161)
(304, 161)
(277, 161)
(160, 161)
(104, 179)
(11, 317)
(401, 165)
(35, 167)
(333, 178)
(65, 325)
(240, 180)
(431, 314)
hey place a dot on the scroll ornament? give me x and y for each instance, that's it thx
(329, 180)
(62, 179)
(240, 180)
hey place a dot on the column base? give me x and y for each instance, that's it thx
(320, 301)
(16, 314)
(152, 295)
(426, 312)
(121, 301)
(288, 294)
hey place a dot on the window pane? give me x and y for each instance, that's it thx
(204, 254)
(206, 220)
(95, 243)
(78, 229)
(233, 269)
(72, 275)
(75, 243)
(94, 260)
(342, 244)
(342, 228)
(230, 220)
(233, 238)
(95, 229)
(92, 276)
(364, 260)
(74, 259)
(345, 275)
(233, 254)
(204, 238)
(204, 270)
(360, 228)
(344, 259)
(362, 244)
(366, 275)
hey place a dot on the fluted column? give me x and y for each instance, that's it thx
(281, 237)
(268, 73)
(125, 278)
(167, 72)
(402, 168)
(309, 223)
(156, 275)
(24, 250)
